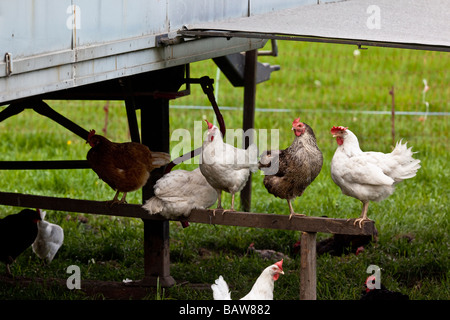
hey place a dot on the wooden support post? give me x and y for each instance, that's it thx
(155, 134)
(157, 254)
(251, 59)
(308, 280)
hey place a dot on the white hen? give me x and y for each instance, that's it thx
(225, 167)
(369, 176)
(49, 239)
(180, 191)
(261, 290)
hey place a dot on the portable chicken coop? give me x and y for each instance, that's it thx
(139, 51)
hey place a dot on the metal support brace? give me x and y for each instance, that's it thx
(207, 87)
(251, 59)
(43, 109)
(130, 106)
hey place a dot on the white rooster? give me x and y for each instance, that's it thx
(49, 239)
(261, 290)
(180, 191)
(369, 176)
(225, 167)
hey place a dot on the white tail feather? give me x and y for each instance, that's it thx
(220, 289)
(408, 166)
(154, 205)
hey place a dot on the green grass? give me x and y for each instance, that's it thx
(111, 248)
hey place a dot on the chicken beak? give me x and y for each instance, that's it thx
(281, 272)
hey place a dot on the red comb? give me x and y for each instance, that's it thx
(91, 133)
(210, 125)
(339, 128)
(296, 121)
(279, 264)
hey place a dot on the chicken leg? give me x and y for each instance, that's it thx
(10, 260)
(232, 203)
(363, 216)
(115, 200)
(219, 201)
(291, 209)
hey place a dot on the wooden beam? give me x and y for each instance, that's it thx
(281, 221)
(155, 134)
(308, 278)
(230, 218)
(44, 165)
(74, 205)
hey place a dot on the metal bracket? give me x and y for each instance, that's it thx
(168, 39)
(9, 63)
(207, 87)
(361, 48)
(273, 52)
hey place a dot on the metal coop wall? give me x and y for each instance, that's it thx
(139, 51)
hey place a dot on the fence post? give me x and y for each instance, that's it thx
(308, 280)
(155, 134)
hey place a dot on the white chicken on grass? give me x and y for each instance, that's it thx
(369, 176)
(261, 290)
(225, 167)
(180, 191)
(49, 239)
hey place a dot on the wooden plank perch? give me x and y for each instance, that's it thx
(308, 225)
(280, 221)
(229, 218)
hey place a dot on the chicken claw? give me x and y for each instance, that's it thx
(291, 209)
(296, 214)
(221, 209)
(363, 216)
(115, 200)
(214, 211)
(360, 221)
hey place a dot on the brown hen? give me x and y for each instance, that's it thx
(125, 167)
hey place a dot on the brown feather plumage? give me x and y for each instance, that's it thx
(298, 165)
(124, 166)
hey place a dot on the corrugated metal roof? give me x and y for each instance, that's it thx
(416, 24)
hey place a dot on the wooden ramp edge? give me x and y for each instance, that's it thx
(229, 218)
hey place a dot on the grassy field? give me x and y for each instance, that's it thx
(325, 85)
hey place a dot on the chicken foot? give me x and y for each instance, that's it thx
(363, 216)
(115, 200)
(291, 209)
(219, 203)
